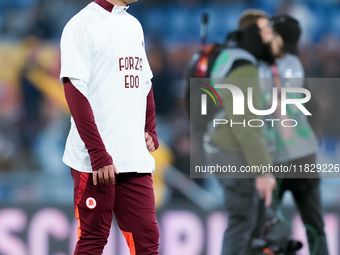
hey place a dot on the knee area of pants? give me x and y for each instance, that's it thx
(97, 245)
(95, 235)
(150, 230)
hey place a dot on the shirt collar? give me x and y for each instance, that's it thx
(110, 7)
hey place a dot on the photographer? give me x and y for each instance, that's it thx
(238, 145)
(294, 146)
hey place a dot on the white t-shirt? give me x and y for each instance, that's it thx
(106, 52)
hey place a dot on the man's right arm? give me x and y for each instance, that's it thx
(84, 119)
(101, 161)
(251, 139)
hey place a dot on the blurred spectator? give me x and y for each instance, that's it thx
(32, 122)
(162, 77)
(42, 25)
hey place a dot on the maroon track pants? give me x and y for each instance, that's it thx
(132, 202)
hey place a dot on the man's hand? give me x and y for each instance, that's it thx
(149, 142)
(265, 185)
(105, 175)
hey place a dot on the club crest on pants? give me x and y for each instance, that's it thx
(91, 203)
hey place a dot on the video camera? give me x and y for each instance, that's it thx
(266, 245)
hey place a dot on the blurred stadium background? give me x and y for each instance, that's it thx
(36, 211)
